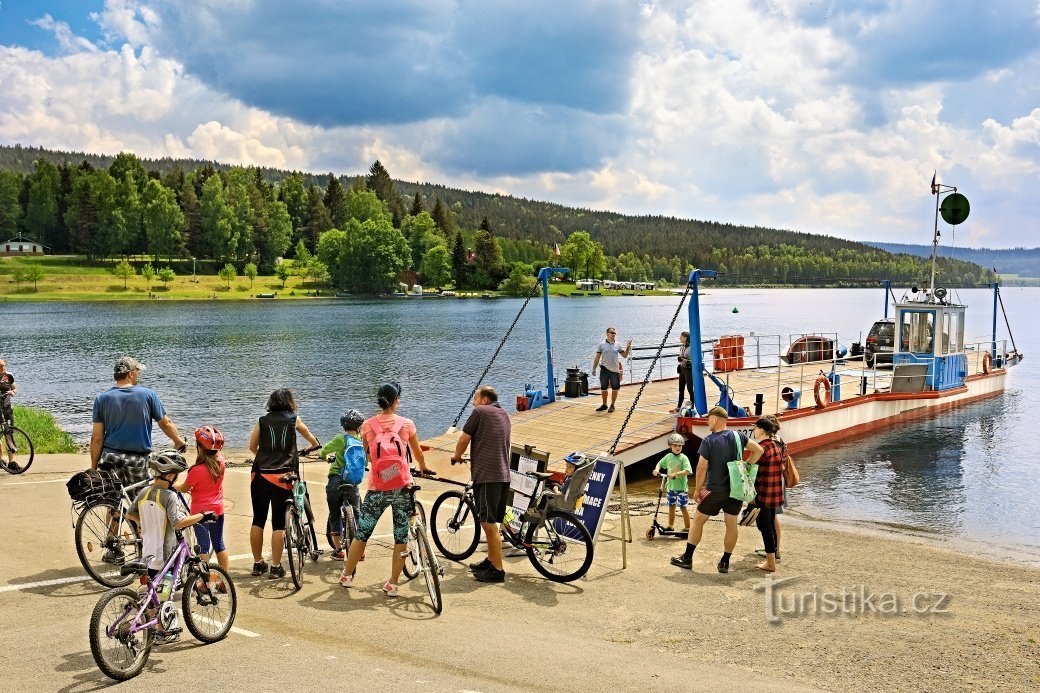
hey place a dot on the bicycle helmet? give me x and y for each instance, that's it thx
(676, 439)
(351, 420)
(209, 438)
(575, 458)
(168, 462)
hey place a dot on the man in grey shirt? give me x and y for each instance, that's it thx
(608, 355)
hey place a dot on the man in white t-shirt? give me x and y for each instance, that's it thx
(609, 355)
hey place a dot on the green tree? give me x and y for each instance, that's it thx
(41, 209)
(459, 260)
(318, 272)
(520, 281)
(124, 270)
(163, 220)
(436, 266)
(283, 271)
(81, 219)
(29, 272)
(191, 208)
(380, 182)
(217, 220)
(10, 208)
(293, 194)
(167, 275)
(274, 241)
(148, 272)
(336, 202)
(250, 271)
(421, 232)
(489, 264)
(583, 256)
(318, 218)
(228, 274)
(126, 165)
(365, 257)
(418, 207)
(364, 205)
(444, 218)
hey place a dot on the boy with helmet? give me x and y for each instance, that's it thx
(677, 466)
(339, 448)
(205, 482)
(158, 512)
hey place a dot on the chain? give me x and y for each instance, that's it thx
(483, 375)
(649, 372)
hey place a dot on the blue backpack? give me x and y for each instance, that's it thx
(354, 462)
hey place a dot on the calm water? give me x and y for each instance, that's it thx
(217, 362)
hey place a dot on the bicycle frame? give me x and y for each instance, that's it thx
(173, 567)
(536, 511)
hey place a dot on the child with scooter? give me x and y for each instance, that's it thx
(675, 468)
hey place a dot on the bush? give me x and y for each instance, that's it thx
(41, 428)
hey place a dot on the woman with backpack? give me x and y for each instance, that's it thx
(347, 467)
(390, 441)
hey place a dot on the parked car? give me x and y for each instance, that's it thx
(880, 342)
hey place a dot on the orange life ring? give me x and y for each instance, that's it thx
(987, 362)
(822, 403)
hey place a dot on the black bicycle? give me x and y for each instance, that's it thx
(557, 543)
(15, 445)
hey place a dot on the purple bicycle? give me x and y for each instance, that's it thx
(127, 622)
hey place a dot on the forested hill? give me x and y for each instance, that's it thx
(1023, 262)
(635, 247)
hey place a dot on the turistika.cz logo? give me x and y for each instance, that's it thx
(856, 600)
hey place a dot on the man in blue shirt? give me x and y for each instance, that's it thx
(122, 434)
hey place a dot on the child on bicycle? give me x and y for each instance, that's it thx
(205, 482)
(159, 512)
(677, 467)
(338, 447)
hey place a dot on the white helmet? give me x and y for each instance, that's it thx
(676, 439)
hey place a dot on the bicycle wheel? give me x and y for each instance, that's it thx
(17, 442)
(101, 551)
(209, 604)
(430, 570)
(309, 534)
(561, 548)
(122, 654)
(411, 556)
(456, 531)
(295, 546)
(349, 527)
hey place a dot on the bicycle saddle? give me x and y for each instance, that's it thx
(344, 485)
(541, 475)
(135, 567)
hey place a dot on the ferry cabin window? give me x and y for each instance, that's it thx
(916, 331)
(951, 333)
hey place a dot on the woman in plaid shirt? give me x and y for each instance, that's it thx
(769, 488)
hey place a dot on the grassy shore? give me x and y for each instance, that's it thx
(43, 431)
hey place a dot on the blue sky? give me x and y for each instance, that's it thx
(821, 116)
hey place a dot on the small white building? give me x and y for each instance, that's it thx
(21, 246)
(587, 284)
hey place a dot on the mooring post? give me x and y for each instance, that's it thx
(700, 397)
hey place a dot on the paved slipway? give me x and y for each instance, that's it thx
(649, 627)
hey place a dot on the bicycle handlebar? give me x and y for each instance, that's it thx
(307, 451)
(464, 460)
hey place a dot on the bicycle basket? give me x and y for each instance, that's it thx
(93, 484)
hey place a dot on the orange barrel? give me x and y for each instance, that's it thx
(719, 359)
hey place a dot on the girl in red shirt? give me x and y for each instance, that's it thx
(205, 482)
(769, 489)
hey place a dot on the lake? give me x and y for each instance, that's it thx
(216, 362)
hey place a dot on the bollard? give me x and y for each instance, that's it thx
(760, 400)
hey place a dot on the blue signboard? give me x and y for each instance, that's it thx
(593, 506)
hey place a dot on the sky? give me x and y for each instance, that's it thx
(827, 116)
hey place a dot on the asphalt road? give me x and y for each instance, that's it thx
(528, 634)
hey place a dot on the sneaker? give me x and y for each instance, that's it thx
(481, 565)
(13, 466)
(390, 590)
(723, 566)
(337, 555)
(166, 637)
(346, 580)
(112, 556)
(259, 568)
(276, 572)
(682, 562)
(602, 407)
(611, 409)
(762, 553)
(492, 574)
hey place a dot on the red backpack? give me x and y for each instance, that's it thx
(389, 451)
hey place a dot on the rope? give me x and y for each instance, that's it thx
(495, 355)
(649, 372)
(1001, 299)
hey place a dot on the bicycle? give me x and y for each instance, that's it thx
(105, 538)
(418, 556)
(14, 442)
(556, 542)
(300, 537)
(124, 622)
(347, 516)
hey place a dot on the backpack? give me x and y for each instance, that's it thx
(353, 470)
(389, 468)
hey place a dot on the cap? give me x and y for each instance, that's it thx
(718, 411)
(126, 365)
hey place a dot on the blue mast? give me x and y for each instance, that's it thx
(887, 283)
(700, 397)
(993, 345)
(543, 276)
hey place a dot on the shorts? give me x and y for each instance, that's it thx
(680, 498)
(609, 379)
(206, 534)
(490, 499)
(267, 496)
(130, 467)
(401, 504)
(719, 501)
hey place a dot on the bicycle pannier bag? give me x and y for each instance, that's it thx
(93, 483)
(389, 465)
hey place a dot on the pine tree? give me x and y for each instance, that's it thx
(318, 218)
(458, 260)
(336, 203)
(444, 217)
(380, 182)
(417, 205)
